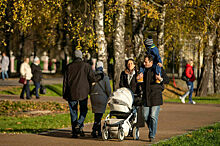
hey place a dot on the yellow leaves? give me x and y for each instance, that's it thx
(18, 123)
(189, 135)
(210, 130)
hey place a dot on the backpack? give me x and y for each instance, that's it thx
(184, 77)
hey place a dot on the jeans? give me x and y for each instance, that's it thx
(190, 91)
(4, 74)
(26, 89)
(151, 118)
(36, 89)
(74, 113)
(157, 69)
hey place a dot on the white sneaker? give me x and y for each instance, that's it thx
(192, 102)
(182, 99)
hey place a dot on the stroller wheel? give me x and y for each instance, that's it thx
(105, 134)
(121, 135)
(135, 133)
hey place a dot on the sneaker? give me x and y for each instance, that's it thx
(82, 133)
(192, 102)
(151, 139)
(74, 135)
(182, 99)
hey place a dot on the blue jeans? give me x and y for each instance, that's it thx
(190, 90)
(26, 89)
(4, 74)
(74, 113)
(151, 118)
(36, 89)
(157, 69)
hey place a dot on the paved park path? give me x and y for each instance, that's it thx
(174, 119)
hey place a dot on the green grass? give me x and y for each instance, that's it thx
(205, 136)
(212, 99)
(39, 124)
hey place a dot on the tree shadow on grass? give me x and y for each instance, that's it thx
(54, 89)
(174, 92)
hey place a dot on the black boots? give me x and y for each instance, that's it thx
(96, 129)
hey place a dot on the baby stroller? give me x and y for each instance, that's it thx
(124, 123)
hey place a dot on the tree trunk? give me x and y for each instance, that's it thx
(118, 42)
(161, 42)
(217, 67)
(99, 27)
(206, 82)
(137, 30)
(21, 51)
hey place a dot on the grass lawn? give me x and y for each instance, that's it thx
(36, 124)
(204, 136)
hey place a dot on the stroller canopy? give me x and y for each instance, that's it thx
(121, 100)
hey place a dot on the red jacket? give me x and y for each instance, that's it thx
(189, 73)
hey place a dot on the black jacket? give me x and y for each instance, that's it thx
(152, 91)
(124, 81)
(36, 71)
(77, 77)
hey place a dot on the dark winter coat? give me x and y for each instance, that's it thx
(124, 81)
(100, 93)
(77, 77)
(36, 71)
(152, 91)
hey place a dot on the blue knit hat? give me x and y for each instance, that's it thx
(148, 41)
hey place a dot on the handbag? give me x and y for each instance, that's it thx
(22, 80)
(184, 77)
(42, 89)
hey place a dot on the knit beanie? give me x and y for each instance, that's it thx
(78, 54)
(148, 41)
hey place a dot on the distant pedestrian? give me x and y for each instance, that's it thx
(77, 77)
(5, 64)
(191, 78)
(37, 76)
(99, 95)
(25, 71)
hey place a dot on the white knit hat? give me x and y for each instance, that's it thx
(78, 54)
(36, 59)
(149, 41)
(99, 64)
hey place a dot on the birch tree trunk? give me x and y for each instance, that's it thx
(99, 27)
(217, 67)
(161, 42)
(119, 42)
(206, 82)
(137, 30)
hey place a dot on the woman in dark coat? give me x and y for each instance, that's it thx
(128, 77)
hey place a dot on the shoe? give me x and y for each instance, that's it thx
(192, 102)
(21, 97)
(82, 133)
(37, 97)
(152, 140)
(94, 134)
(77, 128)
(74, 135)
(182, 99)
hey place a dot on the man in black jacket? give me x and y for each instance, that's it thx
(78, 75)
(152, 98)
(37, 76)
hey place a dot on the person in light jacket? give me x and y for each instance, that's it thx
(5, 64)
(25, 72)
(100, 93)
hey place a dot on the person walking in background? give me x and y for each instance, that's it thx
(5, 64)
(99, 95)
(37, 76)
(191, 78)
(77, 77)
(25, 72)
(152, 98)
(153, 50)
